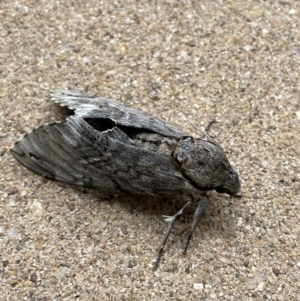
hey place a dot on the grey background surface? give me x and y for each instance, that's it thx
(235, 61)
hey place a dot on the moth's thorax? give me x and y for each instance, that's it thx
(205, 164)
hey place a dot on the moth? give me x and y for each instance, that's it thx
(109, 146)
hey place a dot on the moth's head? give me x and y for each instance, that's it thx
(205, 165)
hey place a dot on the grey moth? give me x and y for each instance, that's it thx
(109, 146)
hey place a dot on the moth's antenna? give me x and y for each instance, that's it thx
(191, 123)
(207, 137)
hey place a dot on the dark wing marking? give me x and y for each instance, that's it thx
(76, 153)
(87, 106)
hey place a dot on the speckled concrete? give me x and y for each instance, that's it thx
(235, 61)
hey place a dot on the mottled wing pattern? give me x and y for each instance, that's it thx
(76, 153)
(87, 106)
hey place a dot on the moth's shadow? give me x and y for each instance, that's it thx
(142, 204)
(155, 207)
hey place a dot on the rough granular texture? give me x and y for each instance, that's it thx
(233, 61)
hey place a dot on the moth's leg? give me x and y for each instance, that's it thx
(170, 220)
(196, 218)
(211, 122)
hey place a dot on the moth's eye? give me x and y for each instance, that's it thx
(201, 163)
